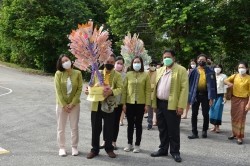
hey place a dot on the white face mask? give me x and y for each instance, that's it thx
(137, 66)
(193, 66)
(217, 70)
(242, 71)
(66, 65)
(152, 68)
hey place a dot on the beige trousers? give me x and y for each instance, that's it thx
(62, 117)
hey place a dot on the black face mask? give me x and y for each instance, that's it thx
(109, 66)
(202, 63)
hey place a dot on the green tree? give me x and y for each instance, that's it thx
(131, 16)
(188, 26)
(34, 32)
(185, 26)
(234, 17)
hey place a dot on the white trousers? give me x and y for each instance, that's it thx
(62, 117)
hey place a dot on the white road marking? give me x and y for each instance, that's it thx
(10, 91)
(3, 151)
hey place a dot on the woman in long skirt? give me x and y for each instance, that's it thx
(240, 102)
(216, 109)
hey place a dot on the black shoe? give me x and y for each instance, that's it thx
(193, 136)
(115, 148)
(102, 147)
(149, 127)
(177, 158)
(239, 142)
(158, 154)
(204, 134)
(231, 137)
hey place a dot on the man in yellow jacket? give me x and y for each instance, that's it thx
(112, 79)
(170, 99)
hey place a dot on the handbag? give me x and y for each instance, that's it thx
(229, 92)
(109, 104)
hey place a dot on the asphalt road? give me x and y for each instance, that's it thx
(28, 131)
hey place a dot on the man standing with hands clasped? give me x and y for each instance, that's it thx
(202, 90)
(112, 79)
(170, 99)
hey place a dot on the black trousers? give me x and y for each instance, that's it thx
(203, 100)
(169, 127)
(117, 112)
(96, 123)
(134, 114)
(117, 115)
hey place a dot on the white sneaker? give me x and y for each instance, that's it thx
(128, 148)
(137, 149)
(62, 152)
(75, 152)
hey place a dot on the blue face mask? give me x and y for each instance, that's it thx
(137, 66)
(168, 61)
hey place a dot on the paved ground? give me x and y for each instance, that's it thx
(28, 131)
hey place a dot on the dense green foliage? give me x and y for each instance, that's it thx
(219, 29)
(34, 32)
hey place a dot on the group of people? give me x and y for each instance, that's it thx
(208, 86)
(167, 91)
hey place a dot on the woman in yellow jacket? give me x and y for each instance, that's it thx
(136, 97)
(68, 86)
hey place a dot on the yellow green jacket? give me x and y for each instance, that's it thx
(115, 82)
(178, 96)
(136, 84)
(61, 87)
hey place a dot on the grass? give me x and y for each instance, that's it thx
(23, 69)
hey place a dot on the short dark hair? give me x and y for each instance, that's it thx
(245, 64)
(59, 62)
(201, 55)
(220, 66)
(113, 55)
(172, 52)
(120, 58)
(142, 65)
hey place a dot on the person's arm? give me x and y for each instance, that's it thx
(229, 81)
(124, 93)
(79, 89)
(58, 89)
(248, 104)
(119, 85)
(148, 91)
(183, 98)
(214, 86)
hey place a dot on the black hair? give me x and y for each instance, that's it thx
(189, 65)
(245, 64)
(113, 55)
(209, 57)
(153, 63)
(172, 52)
(59, 62)
(142, 66)
(120, 58)
(201, 55)
(220, 66)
